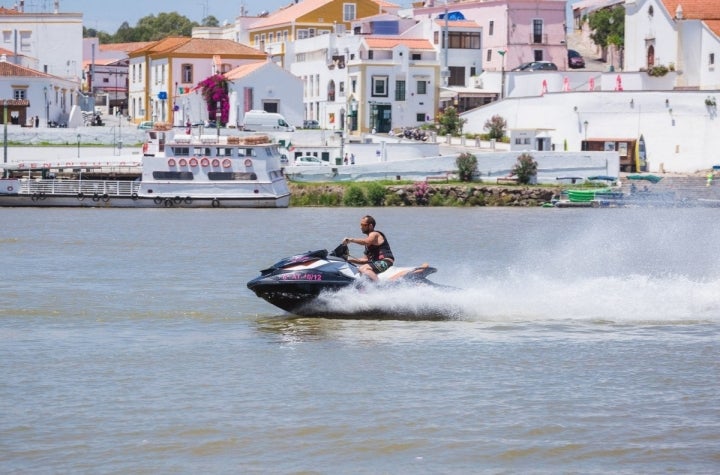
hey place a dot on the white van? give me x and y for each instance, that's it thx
(263, 121)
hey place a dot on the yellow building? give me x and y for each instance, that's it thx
(166, 68)
(310, 18)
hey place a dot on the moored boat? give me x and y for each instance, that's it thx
(189, 172)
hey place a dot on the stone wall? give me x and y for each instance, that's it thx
(423, 194)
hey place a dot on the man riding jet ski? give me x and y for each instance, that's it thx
(293, 283)
(378, 256)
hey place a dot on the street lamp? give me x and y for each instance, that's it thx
(217, 119)
(47, 107)
(78, 139)
(586, 127)
(502, 72)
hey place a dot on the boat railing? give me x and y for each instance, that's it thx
(74, 187)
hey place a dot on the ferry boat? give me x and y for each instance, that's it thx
(176, 171)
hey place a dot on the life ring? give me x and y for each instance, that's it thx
(188, 200)
(227, 163)
(171, 162)
(248, 162)
(215, 203)
(183, 162)
(193, 162)
(168, 203)
(96, 197)
(10, 188)
(35, 197)
(80, 196)
(134, 196)
(215, 162)
(158, 200)
(105, 197)
(177, 200)
(205, 161)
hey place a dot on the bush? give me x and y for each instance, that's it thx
(525, 168)
(467, 166)
(376, 194)
(496, 126)
(354, 196)
(422, 193)
(658, 71)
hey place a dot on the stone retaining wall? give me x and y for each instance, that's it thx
(423, 194)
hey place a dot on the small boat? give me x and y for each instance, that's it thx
(184, 171)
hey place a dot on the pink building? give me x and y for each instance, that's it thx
(526, 30)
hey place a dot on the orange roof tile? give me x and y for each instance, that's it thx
(9, 69)
(389, 43)
(695, 9)
(178, 45)
(124, 47)
(244, 70)
(296, 10)
(714, 26)
(9, 11)
(290, 13)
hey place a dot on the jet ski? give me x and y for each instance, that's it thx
(295, 283)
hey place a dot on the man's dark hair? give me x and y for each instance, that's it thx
(370, 220)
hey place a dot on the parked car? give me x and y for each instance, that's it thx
(575, 59)
(146, 125)
(537, 66)
(309, 160)
(311, 124)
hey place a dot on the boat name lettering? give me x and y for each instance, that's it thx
(301, 276)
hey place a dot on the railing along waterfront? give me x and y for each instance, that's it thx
(88, 188)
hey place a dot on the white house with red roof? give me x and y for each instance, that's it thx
(683, 35)
(34, 95)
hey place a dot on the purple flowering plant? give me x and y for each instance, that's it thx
(215, 89)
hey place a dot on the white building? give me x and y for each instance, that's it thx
(53, 38)
(684, 36)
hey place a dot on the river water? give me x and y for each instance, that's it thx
(583, 341)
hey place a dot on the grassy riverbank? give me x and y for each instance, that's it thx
(392, 193)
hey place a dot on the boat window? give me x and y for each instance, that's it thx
(227, 176)
(202, 151)
(173, 175)
(250, 152)
(181, 151)
(224, 152)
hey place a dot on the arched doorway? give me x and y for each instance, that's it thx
(651, 56)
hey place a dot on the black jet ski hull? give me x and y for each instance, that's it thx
(293, 294)
(294, 283)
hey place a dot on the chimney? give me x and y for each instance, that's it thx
(679, 12)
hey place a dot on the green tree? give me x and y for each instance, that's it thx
(496, 126)
(608, 27)
(150, 28)
(525, 168)
(210, 21)
(153, 28)
(450, 121)
(467, 166)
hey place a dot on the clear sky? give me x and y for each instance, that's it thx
(108, 15)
